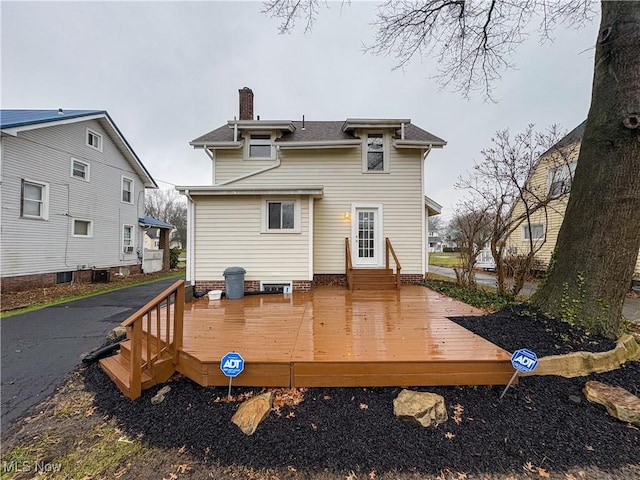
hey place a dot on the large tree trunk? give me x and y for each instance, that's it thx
(599, 239)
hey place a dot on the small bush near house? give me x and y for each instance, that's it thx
(174, 255)
(475, 296)
(450, 249)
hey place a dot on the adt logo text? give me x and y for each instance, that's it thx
(524, 360)
(232, 364)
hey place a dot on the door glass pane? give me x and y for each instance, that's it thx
(366, 245)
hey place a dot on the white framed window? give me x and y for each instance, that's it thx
(260, 146)
(34, 201)
(536, 232)
(79, 169)
(127, 239)
(127, 190)
(375, 153)
(560, 179)
(82, 228)
(94, 140)
(281, 216)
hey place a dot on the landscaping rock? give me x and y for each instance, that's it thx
(427, 409)
(252, 412)
(619, 402)
(117, 334)
(159, 397)
(579, 364)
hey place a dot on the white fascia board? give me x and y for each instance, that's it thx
(352, 123)
(262, 125)
(216, 145)
(13, 131)
(314, 190)
(433, 206)
(320, 144)
(417, 144)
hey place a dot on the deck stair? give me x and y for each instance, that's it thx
(373, 279)
(150, 355)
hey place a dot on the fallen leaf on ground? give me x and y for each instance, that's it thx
(542, 472)
(449, 435)
(364, 406)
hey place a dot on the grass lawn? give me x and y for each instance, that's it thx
(444, 259)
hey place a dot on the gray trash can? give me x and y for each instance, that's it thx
(234, 280)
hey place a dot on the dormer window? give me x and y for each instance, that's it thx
(375, 153)
(260, 146)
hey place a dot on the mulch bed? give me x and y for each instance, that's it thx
(542, 424)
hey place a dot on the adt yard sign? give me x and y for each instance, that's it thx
(524, 360)
(232, 364)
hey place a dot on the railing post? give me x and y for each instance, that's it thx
(386, 253)
(178, 318)
(135, 365)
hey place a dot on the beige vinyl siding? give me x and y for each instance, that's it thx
(230, 234)
(554, 214)
(44, 246)
(340, 172)
(229, 165)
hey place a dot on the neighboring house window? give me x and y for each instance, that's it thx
(281, 216)
(94, 140)
(127, 238)
(79, 169)
(260, 146)
(536, 232)
(82, 228)
(34, 202)
(127, 190)
(560, 179)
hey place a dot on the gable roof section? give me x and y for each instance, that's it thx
(315, 132)
(153, 223)
(13, 122)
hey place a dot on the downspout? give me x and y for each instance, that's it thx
(425, 213)
(212, 155)
(190, 273)
(257, 172)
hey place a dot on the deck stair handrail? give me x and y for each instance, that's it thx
(167, 343)
(389, 249)
(348, 265)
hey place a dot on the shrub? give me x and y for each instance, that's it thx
(174, 255)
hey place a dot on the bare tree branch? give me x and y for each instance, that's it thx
(472, 40)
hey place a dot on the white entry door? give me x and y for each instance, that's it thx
(367, 236)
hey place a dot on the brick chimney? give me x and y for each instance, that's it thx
(246, 103)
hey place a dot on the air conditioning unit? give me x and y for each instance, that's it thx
(128, 249)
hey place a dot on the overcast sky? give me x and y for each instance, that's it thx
(168, 72)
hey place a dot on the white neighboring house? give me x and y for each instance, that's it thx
(72, 193)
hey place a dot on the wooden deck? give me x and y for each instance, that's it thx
(337, 337)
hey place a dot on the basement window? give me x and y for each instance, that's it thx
(64, 277)
(276, 287)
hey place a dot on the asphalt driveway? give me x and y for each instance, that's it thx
(39, 349)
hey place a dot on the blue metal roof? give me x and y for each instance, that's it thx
(20, 118)
(153, 222)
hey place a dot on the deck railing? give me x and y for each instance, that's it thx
(389, 249)
(348, 266)
(140, 328)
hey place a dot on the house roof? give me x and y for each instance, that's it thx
(14, 121)
(153, 223)
(433, 207)
(20, 118)
(313, 132)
